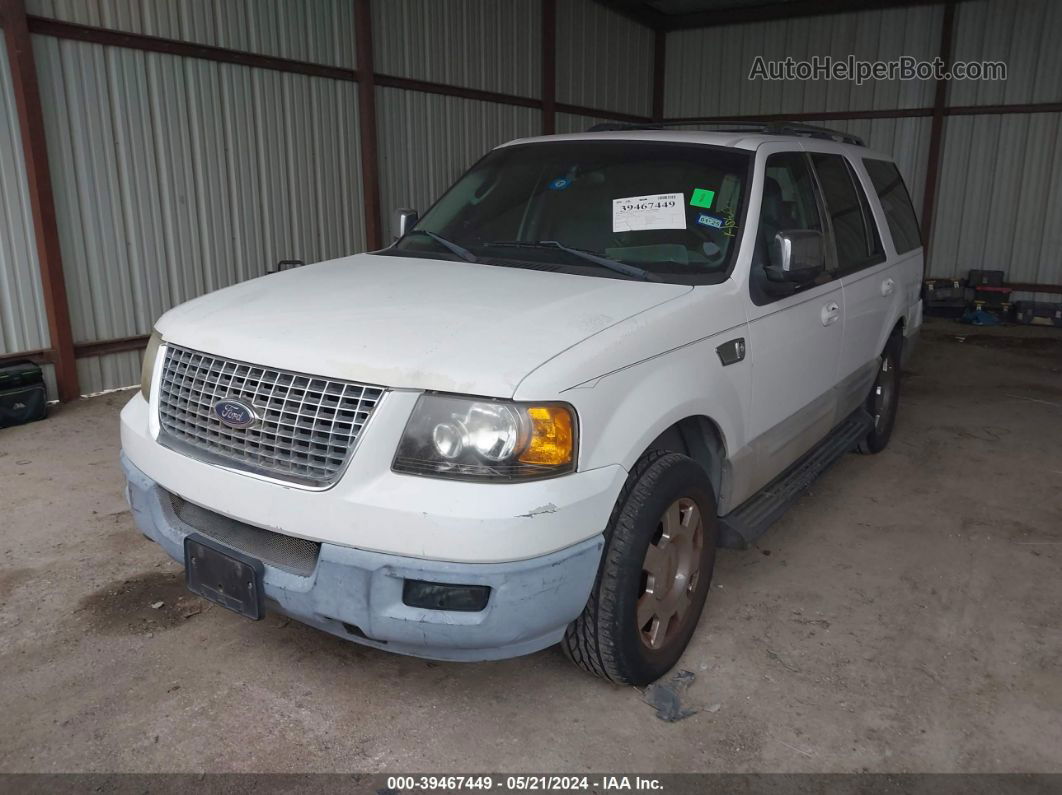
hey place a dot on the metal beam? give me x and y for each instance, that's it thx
(549, 67)
(887, 113)
(39, 184)
(430, 87)
(640, 11)
(895, 113)
(659, 73)
(978, 110)
(936, 131)
(598, 113)
(45, 356)
(138, 41)
(119, 345)
(370, 150)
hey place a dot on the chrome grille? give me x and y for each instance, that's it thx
(307, 427)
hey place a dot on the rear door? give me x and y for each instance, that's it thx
(871, 287)
(794, 340)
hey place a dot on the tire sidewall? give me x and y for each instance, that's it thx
(879, 437)
(634, 529)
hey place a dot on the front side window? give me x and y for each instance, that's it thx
(671, 210)
(896, 202)
(788, 204)
(854, 231)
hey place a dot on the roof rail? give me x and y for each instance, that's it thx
(742, 125)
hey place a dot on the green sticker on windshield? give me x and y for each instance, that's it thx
(702, 198)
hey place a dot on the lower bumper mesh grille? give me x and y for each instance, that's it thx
(295, 555)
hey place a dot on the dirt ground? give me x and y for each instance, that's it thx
(904, 616)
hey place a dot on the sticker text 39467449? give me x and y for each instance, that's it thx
(655, 211)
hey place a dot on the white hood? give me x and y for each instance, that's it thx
(409, 323)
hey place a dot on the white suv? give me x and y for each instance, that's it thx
(535, 416)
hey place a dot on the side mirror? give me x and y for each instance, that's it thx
(797, 256)
(402, 221)
(283, 265)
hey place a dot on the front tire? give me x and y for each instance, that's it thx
(655, 573)
(884, 397)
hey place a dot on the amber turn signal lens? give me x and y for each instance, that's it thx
(552, 441)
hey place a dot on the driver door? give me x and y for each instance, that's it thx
(794, 339)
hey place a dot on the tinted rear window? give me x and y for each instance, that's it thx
(896, 202)
(854, 230)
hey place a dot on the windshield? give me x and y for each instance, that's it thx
(671, 210)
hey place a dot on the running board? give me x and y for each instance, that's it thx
(739, 528)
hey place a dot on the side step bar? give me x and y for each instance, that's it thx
(739, 528)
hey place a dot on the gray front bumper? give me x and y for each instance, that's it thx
(531, 602)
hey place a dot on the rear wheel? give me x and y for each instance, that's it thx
(655, 574)
(884, 397)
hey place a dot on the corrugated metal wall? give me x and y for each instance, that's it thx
(428, 140)
(1024, 34)
(174, 177)
(499, 44)
(708, 69)
(996, 205)
(320, 31)
(604, 60)
(999, 205)
(23, 325)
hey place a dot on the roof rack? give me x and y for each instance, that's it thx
(742, 125)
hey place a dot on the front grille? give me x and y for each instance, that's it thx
(296, 555)
(306, 430)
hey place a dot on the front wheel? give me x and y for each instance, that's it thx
(884, 397)
(655, 573)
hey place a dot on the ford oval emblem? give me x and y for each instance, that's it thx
(235, 413)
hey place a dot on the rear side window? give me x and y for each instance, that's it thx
(896, 202)
(854, 231)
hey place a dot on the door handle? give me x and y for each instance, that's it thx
(830, 313)
(887, 287)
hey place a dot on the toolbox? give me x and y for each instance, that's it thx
(992, 297)
(1029, 311)
(980, 278)
(946, 296)
(23, 395)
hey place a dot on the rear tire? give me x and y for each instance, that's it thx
(655, 573)
(884, 397)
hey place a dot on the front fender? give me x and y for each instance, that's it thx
(633, 381)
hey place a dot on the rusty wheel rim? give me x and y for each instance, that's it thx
(670, 573)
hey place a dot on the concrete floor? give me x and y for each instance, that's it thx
(903, 617)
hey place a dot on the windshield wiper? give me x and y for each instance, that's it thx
(613, 265)
(460, 251)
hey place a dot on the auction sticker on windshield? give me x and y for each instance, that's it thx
(658, 211)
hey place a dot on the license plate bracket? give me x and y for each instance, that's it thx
(224, 576)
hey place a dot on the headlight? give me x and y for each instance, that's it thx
(470, 439)
(148, 367)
